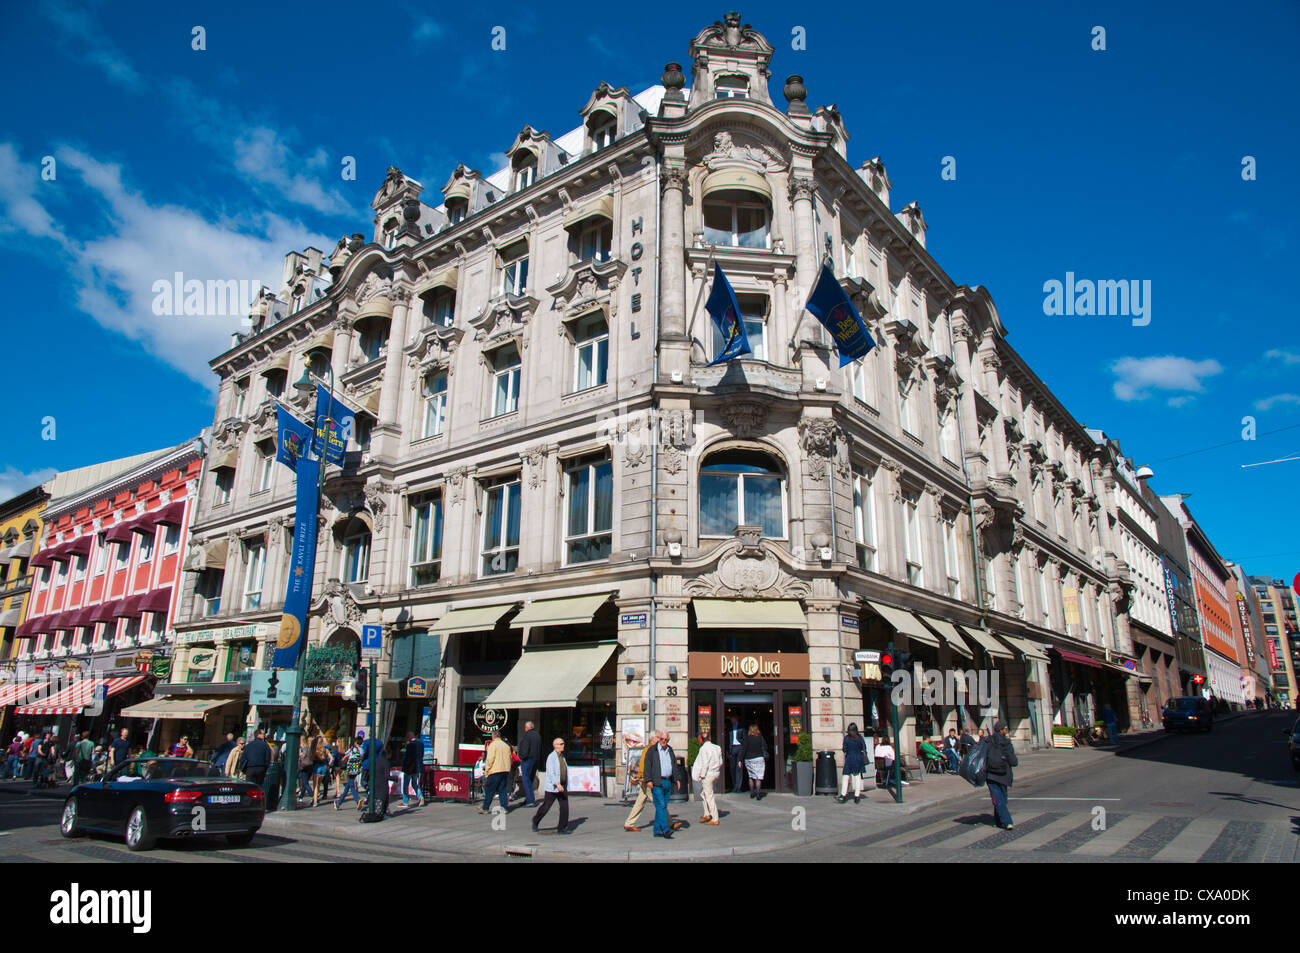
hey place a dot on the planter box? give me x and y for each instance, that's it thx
(803, 779)
(1063, 741)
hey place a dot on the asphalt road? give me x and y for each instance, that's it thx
(1227, 796)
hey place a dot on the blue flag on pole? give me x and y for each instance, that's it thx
(292, 438)
(832, 307)
(724, 310)
(334, 423)
(302, 565)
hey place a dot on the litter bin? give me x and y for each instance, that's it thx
(271, 786)
(680, 790)
(827, 773)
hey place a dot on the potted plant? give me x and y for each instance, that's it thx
(803, 766)
(1062, 736)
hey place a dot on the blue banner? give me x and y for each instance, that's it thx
(724, 310)
(832, 307)
(292, 438)
(334, 424)
(302, 565)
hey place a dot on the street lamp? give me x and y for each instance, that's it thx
(293, 735)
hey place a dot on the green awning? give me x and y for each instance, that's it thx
(570, 611)
(1025, 647)
(470, 620)
(906, 624)
(551, 676)
(986, 641)
(955, 641)
(739, 613)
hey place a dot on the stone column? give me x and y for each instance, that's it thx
(675, 345)
(962, 334)
(388, 433)
(827, 718)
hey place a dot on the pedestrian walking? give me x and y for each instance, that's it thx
(256, 759)
(659, 777)
(754, 753)
(1000, 760)
(496, 773)
(855, 763)
(119, 749)
(1111, 718)
(412, 766)
(735, 740)
(555, 787)
(383, 768)
(230, 767)
(643, 790)
(351, 770)
(530, 752)
(320, 769)
(85, 758)
(706, 770)
(13, 758)
(41, 754)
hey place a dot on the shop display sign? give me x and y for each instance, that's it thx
(417, 687)
(584, 779)
(161, 667)
(488, 719)
(633, 732)
(794, 713)
(704, 718)
(426, 734)
(749, 666)
(871, 672)
(453, 785)
(323, 688)
(607, 737)
(866, 656)
(275, 687)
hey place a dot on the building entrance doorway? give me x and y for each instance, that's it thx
(755, 708)
(779, 710)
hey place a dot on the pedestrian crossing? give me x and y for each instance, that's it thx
(1129, 836)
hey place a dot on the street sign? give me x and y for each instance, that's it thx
(866, 656)
(1295, 584)
(278, 686)
(372, 641)
(1198, 679)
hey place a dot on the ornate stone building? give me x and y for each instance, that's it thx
(559, 512)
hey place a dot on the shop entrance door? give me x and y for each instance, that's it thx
(756, 708)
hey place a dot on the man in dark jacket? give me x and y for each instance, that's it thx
(257, 758)
(219, 756)
(530, 752)
(659, 763)
(379, 805)
(1001, 759)
(412, 767)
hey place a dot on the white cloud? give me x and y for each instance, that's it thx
(1136, 377)
(112, 272)
(264, 157)
(18, 186)
(13, 481)
(1268, 403)
(1286, 357)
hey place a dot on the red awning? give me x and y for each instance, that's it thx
(1080, 659)
(121, 533)
(46, 556)
(79, 546)
(173, 514)
(104, 611)
(15, 693)
(25, 631)
(80, 617)
(156, 601)
(129, 607)
(43, 624)
(78, 695)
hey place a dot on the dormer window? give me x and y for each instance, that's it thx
(457, 210)
(298, 299)
(390, 233)
(731, 87)
(525, 166)
(601, 128)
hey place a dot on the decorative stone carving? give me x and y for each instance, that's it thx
(801, 188)
(341, 606)
(748, 573)
(376, 495)
(674, 460)
(672, 176)
(677, 428)
(727, 153)
(744, 416)
(535, 460)
(817, 436)
(373, 287)
(456, 484)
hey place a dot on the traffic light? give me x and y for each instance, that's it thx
(898, 662)
(363, 691)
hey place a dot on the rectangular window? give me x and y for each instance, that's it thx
(79, 568)
(594, 240)
(157, 625)
(146, 546)
(254, 568)
(501, 527)
(591, 367)
(440, 308)
(602, 134)
(753, 314)
(864, 524)
(426, 541)
(591, 511)
(912, 518)
(208, 591)
(731, 87)
(948, 434)
(225, 484)
(241, 397)
(275, 382)
(905, 416)
(101, 555)
(731, 217)
(172, 539)
(265, 464)
(356, 554)
(525, 174)
(1019, 584)
(123, 555)
(850, 259)
(435, 403)
(131, 633)
(950, 557)
(514, 269)
(505, 380)
(1042, 596)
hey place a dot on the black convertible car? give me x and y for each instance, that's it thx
(145, 799)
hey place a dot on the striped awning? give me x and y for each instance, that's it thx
(71, 700)
(17, 692)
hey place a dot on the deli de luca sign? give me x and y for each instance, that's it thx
(749, 666)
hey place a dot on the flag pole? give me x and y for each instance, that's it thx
(695, 312)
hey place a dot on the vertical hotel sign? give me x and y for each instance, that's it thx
(1245, 630)
(302, 564)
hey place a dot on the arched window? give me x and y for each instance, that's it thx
(737, 217)
(374, 335)
(741, 487)
(355, 537)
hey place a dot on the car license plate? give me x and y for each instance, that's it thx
(223, 798)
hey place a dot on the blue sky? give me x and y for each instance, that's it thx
(1117, 164)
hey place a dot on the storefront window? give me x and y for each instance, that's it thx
(239, 663)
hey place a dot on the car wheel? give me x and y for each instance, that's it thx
(68, 822)
(137, 830)
(241, 839)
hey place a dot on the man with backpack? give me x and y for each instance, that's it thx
(351, 771)
(1000, 760)
(412, 766)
